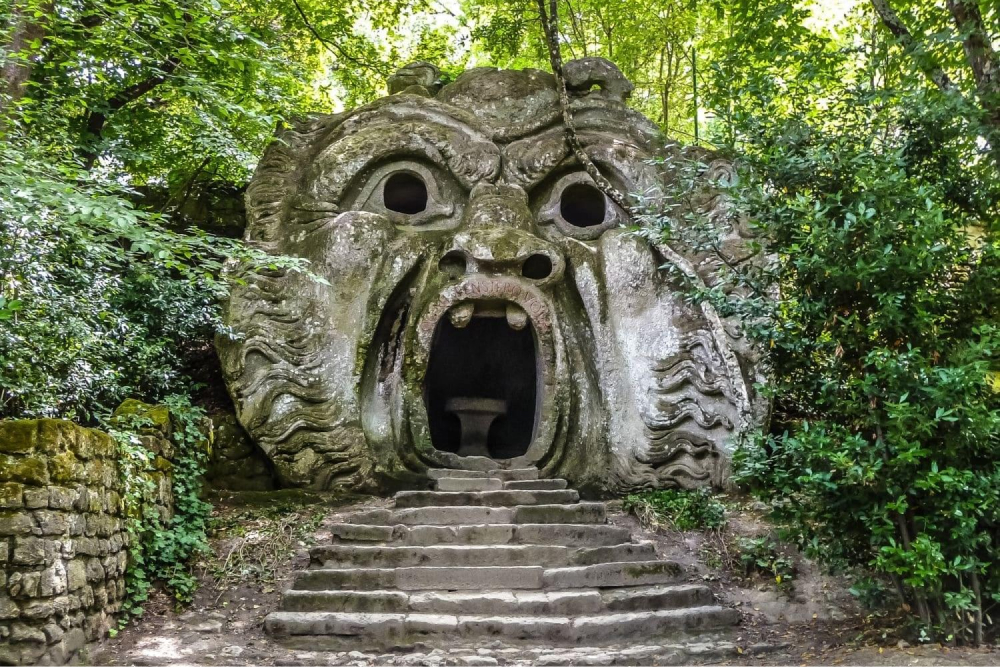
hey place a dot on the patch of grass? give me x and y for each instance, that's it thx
(683, 509)
(253, 544)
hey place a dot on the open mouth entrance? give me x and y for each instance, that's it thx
(481, 385)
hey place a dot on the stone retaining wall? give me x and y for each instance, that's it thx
(62, 544)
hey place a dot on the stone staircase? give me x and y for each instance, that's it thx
(498, 555)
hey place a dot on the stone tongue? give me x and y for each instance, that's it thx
(516, 317)
(461, 314)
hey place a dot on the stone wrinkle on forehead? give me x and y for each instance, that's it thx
(467, 154)
(529, 161)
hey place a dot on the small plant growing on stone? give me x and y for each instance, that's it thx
(683, 509)
(761, 557)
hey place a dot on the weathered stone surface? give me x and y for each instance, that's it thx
(237, 463)
(11, 494)
(478, 283)
(62, 555)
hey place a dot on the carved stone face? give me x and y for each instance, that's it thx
(482, 302)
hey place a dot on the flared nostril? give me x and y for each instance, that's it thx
(537, 267)
(454, 264)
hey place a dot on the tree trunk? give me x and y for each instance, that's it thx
(984, 63)
(25, 41)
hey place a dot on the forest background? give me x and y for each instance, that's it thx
(867, 139)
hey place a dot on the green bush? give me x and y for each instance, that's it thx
(684, 509)
(879, 305)
(161, 550)
(99, 301)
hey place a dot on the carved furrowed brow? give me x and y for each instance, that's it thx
(434, 137)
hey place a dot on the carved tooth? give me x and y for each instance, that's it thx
(516, 317)
(461, 314)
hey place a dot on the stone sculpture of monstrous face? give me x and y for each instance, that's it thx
(482, 304)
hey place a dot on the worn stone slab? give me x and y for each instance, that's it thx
(406, 499)
(504, 475)
(500, 533)
(451, 515)
(383, 627)
(613, 574)
(345, 601)
(521, 603)
(459, 555)
(535, 484)
(340, 578)
(554, 629)
(642, 551)
(465, 578)
(656, 597)
(469, 484)
(608, 627)
(352, 532)
(576, 513)
(579, 534)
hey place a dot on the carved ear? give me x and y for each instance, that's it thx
(583, 74)
(419, 78)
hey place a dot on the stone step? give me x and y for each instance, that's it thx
(391, 628)
(489, 577)
(606, 575)
(420, 578)
(408, 499)
(493, 484)
(439, 556)
(506, 603)
(566, 534)
(468, 484)
(536, 484)
(503, 475)
(455, 515)
(464, 555)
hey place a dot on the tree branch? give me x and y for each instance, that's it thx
(550, 28)
(895, 25)
(333, 47)
(96, 120)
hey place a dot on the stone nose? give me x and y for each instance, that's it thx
(502, 252)
(497, 239)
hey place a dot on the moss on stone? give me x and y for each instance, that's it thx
(11, 494)
(26, 469)
(18, 436)
(158, 415)
(65, 468)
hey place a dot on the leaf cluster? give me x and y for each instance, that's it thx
(870, 196)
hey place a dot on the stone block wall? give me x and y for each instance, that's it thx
(237, 463)
(62, 541)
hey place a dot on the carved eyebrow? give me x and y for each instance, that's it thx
(466, 153)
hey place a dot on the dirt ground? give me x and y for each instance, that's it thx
(260, 539)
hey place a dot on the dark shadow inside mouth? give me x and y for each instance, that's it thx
(481, 387)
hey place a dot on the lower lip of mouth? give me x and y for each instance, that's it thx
(482, 381)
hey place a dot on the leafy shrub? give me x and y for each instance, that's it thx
(695, 509)
(879, 306)
(163, 550)
(99, 301)
(761, 556)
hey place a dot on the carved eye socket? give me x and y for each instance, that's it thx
(582, 205)
(410, 193)
(576, 206)
(405, 192)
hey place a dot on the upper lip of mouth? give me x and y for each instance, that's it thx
(461, 313)
(487, 296)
